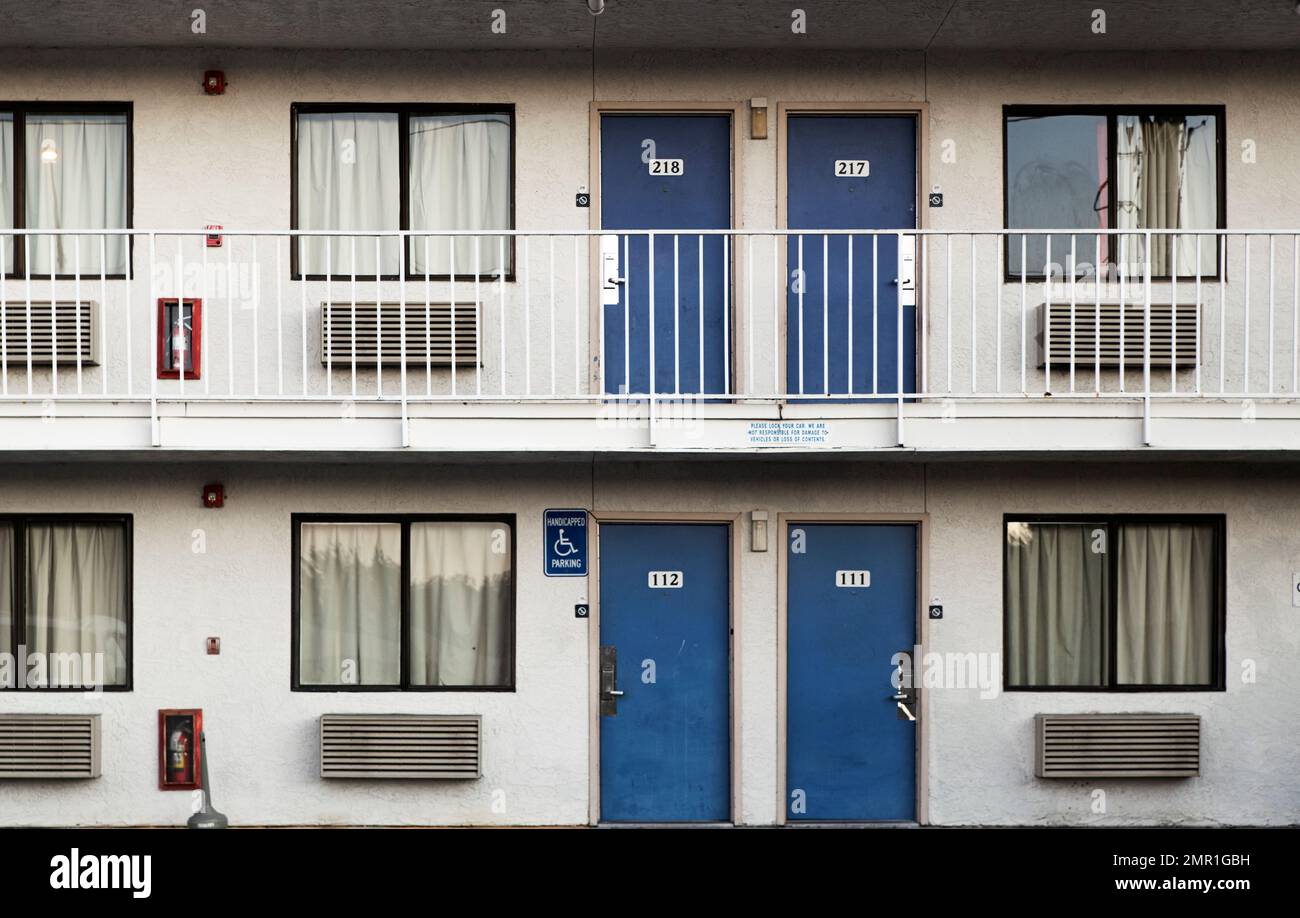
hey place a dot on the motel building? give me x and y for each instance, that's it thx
(507, 414)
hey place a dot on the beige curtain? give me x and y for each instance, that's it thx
(76, 179)
(1166, 180)
(461, 627)
(459, 180)
(6, 589)
(7, 191)
(1056, 604)
(1166, 604)
(350, 606)
(348, 179)
(76, 594)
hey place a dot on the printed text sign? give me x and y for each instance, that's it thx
(565, 534)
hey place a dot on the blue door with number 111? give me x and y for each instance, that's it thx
(851, 610)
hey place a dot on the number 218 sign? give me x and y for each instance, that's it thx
(667, 166)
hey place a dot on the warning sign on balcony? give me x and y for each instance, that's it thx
(788, 433)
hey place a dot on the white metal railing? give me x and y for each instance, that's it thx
(834, 315)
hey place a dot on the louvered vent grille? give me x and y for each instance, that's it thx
(49, 746)
(62, 329)
(1118, 745)
(1130, 341)
(431, 747)
(427, 342)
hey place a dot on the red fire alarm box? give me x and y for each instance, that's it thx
(213, 238)
(180, 338)
(214, 495)
(179, 733)
(214, 82)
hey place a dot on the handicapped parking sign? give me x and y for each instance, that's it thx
(565, 532)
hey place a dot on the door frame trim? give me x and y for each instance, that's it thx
(921, 112)
(735, 111)
(922, 522)
(732, 521)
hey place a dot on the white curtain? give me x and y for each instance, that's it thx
(1198, 190)
(350, 606)
(461, 627)
(76, 593)
(1056, 604)
(459, 180)
(76, 179)
(348, 179)
(1166, 604)
(6, 589)
(7, 191)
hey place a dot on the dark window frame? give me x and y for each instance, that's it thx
(20, 111)
(404, 520)
(1112, 522)
(18, 636)
(1110, 113)
(403, 111)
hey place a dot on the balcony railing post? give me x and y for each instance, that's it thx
(153, 338)
(401, 324)
(1146, 346)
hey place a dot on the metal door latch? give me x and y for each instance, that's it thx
(609, 692)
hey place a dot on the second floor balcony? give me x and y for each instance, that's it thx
(672, 342)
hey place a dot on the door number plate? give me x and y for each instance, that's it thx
(852, 168)
(664, 580)
(667, 166)
(853, 578)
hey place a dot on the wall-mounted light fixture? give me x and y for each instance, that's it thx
(595, 7)
(758, 119)
(758, 530)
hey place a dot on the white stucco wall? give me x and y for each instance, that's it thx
(263, 737)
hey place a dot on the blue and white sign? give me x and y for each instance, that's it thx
(565, 532)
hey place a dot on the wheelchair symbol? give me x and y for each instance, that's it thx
(563, 547)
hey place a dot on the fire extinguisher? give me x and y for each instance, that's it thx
(179, 764)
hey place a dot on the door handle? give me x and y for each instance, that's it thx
(610, 281)
(609, 691)
(904, 695)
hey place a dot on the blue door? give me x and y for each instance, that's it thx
(851, 606)
(849, 172)
(665, 743)
(669, 172)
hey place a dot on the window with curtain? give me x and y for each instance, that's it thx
(1111, 167)
(65, 601)
(422, 169)
(405, 603)
(73, 169)
(1119, 603)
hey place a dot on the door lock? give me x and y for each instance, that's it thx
(609, 691)
(904, 695)
(610, 282)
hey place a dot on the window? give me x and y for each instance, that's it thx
(65, 166)
(418, 168)
(1110, 167)
(418, 603)
(1114, 603)
(65, 602)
